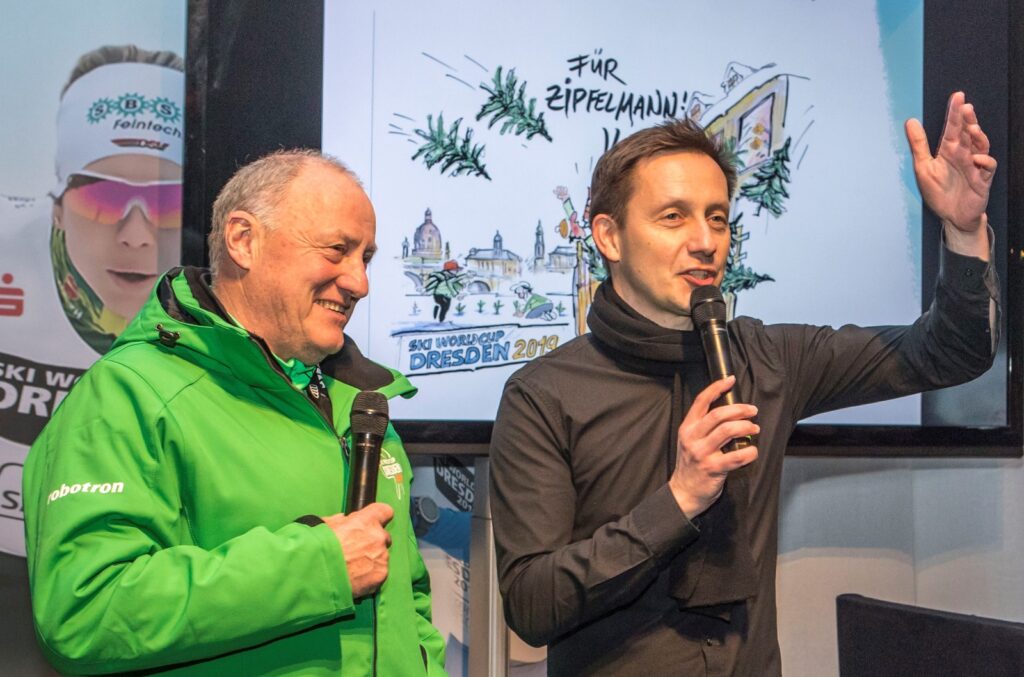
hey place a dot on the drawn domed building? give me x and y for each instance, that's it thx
(427, 251)
(427, 239)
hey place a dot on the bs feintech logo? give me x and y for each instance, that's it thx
(11, 505)
(130, 105)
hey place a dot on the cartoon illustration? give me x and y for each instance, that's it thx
(509, 104)
(448, 149)
(588, 265)
(768, 187)
(512, 294)
(445, 284)
(536, 306)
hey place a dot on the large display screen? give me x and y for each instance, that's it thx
(476, 132)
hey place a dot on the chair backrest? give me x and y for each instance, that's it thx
(878, 639)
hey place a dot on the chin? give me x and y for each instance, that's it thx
(329, 347)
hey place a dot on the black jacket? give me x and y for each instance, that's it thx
(589, 538)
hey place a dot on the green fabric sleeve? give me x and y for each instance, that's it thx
(117, 583)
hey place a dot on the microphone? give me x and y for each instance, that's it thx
(708, 311)
(369, 422)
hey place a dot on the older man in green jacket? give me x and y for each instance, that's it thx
(183, 507)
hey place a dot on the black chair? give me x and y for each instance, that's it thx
(878, 639)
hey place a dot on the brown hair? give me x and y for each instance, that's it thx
(109, 54)
(611, 187)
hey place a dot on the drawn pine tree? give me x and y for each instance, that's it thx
(447, 149)
(508, 103)
(767, 189)
(739, 276)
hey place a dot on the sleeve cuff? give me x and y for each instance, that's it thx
(337, 571)
(662, 525)
(969, 274)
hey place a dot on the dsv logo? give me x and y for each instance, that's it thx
(11, 505)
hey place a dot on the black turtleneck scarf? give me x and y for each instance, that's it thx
(717, 568)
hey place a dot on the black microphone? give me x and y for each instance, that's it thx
(707, 308)
(369, 423)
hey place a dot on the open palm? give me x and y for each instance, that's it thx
(955, 182)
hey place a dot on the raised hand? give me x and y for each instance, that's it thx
(955, 182)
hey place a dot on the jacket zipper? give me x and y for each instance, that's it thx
(343, 443)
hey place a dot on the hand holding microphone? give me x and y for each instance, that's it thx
(364, 543)
(360, 530)
(707, 308)
(716, 423)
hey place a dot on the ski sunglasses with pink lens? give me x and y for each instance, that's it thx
(108, 201)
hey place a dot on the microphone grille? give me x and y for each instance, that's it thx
(706, 304)
(370, 413)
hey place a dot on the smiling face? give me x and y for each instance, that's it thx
(307, 273)
(675, 237)
(117, 240)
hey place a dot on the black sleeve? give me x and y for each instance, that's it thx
(549, 583)
(952, 342)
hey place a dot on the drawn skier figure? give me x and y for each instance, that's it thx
(589, 271)
(536, 305)
(445, 284)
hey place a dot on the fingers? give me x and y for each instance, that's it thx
(917, 140)
(979, 140)
(728, 431)
(986, 165)
(379, 512)
(734, 460)
(954, 118)
(974, 128)
(702, 403)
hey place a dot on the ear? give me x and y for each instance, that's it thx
(606, 236)
(243, 236)
(58, 215)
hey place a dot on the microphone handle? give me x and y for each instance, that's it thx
(715, 338)
(362, 479)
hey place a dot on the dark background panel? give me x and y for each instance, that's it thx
(254, 76)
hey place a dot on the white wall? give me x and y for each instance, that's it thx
(938, 534)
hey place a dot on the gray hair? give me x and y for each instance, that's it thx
(258, 188)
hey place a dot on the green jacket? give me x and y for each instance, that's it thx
(160, 508)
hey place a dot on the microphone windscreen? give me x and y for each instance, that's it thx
(707, 304)
(370, 413)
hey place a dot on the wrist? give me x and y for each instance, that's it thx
(973, 242)
(687, 503)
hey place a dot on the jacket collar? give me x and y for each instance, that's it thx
(184, 316)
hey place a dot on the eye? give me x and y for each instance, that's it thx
(719, 221)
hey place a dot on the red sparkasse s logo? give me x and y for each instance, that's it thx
(12, 299)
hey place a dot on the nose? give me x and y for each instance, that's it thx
(135, 230)
(703, 241)
(354, 279)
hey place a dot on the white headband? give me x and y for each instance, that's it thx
(120, 108)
